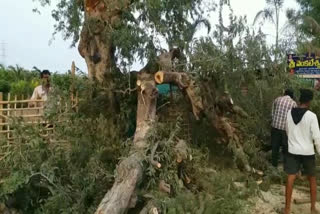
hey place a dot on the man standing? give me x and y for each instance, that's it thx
(41, 91)
(280, 108)
(302, 129)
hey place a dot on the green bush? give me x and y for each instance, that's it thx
(4, 86)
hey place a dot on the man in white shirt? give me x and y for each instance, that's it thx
(303, 133)
(41, 91)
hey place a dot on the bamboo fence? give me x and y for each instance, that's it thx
(17, 107)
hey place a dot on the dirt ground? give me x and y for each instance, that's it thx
(273, 201)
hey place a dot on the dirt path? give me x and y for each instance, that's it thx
(273, 201)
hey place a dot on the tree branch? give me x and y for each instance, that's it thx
(127, 91)
(184, 82)
(152, 161)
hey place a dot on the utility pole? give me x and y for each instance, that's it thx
(3, 54)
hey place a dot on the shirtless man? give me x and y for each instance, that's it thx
(41, 91)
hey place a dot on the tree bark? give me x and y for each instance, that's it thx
(95, 46)
(123, 192)
(129, 172)
(147, 102)
(150, 208)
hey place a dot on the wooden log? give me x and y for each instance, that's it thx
(129, 172)
(150, 208)
(181, 150)
(180, 79)
(123, 192)
(195, 99)
(164, 187)
(147, 102)
(152, 161)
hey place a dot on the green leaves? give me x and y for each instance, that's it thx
(69, 19)
(17, 80)
(4, 86)
(266, 14)
(306, 24)
(12, 183)
(139, 25)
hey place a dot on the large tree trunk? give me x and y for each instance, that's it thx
(123, 192)
(95, 46)
(100, 19)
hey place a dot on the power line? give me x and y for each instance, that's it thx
(3, 54)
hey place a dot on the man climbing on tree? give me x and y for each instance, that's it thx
(303, 132)
(41, 91)
(280, 108)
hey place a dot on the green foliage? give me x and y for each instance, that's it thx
(210, 191)
(220, 196)
(140, 26)
(68, 16)
(17, 80)
(244, 63)
(21, 87)
(310, 9)
(71, 169)
(166, 138)
(66, 171)
(4, 86)
(306, 21)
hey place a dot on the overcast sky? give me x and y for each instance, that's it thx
(26, 34)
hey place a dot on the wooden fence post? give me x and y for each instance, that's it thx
(73, 73)
(1, 110)
(8, 114)
(74, 94)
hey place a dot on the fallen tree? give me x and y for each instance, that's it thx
(112, 33)
(123, 194)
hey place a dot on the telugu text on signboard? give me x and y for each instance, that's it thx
(307, 66)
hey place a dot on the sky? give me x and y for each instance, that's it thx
(25, 36)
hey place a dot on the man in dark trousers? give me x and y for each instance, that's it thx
(303, 133)
(280, 108)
